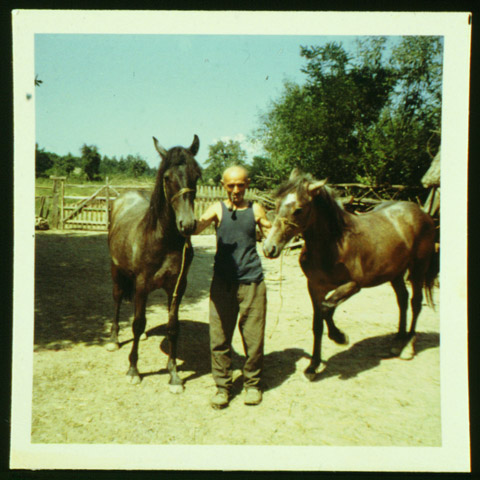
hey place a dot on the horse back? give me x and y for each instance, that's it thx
(126, 230)
(387, 241)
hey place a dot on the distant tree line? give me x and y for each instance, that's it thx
(90, 165)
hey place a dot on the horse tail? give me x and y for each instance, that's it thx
(430, 276)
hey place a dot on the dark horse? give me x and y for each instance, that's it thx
(146, 241)
(344, 252)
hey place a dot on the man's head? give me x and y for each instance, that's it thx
(235, 181)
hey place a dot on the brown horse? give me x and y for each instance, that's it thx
(146, 239)
(344, 252)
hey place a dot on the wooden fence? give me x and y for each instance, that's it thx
(90, 211)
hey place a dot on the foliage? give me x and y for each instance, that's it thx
(91, 161)
(365, 117)
(91, 166)
(221, 155)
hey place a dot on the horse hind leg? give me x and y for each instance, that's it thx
(138, 328)
(401, 292)
(118, 295)
(408, 351)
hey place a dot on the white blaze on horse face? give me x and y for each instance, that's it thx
(290, 199)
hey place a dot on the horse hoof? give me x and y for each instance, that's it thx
(112, 346)
(143, 336)
(312, 372)
(406, 355)
(176, 389)
(309, 375)
(133, 379)
(340, 338)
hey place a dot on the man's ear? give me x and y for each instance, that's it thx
(314, 188)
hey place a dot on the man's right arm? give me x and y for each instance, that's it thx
(210, 215)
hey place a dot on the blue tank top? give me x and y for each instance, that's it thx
(237, 258)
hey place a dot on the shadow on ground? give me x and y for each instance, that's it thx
(194, 355)
(369, 353)
(73, 289)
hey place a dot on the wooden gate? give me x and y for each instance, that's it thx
(83, 213)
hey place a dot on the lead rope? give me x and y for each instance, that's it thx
(180, 275)
(281, 298)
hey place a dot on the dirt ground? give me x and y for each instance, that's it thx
(81, 395)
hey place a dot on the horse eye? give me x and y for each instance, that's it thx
(297, 211)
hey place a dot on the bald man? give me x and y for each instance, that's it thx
(237, 292)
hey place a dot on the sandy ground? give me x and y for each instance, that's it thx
(80, 392)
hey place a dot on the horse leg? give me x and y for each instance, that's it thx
(416, 303)
(113, 344)
(175, 382)
(329, 305)
(138, 328)
(317, 295)
(334, 333)
(401, 292)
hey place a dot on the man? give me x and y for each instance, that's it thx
(238, 290)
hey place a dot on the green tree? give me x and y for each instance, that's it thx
(91, 161)
(366, 117)
(139, 167)
(221, 155)
(44, 161)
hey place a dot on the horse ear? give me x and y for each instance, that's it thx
(159, 148)
(195, 145)
(295, 173)
(314, 188)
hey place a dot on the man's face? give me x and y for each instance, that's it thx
(235, 182)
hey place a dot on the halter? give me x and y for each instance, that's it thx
(181, 192)
(285, 221)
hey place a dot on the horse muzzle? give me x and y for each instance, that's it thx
(271, 250)
(187, 228)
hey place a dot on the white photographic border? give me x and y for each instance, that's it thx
(454, 454)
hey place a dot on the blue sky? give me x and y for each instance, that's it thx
(117, 91)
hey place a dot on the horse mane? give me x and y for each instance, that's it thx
(175, 158)
(325, 200)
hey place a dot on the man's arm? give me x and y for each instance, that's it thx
(210, 215)
(261, 219)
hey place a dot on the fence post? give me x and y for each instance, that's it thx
(107, 204)
(57, 207)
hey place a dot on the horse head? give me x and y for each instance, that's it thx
(294, 202)
(177, 179)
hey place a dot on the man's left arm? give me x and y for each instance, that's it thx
(261, 219)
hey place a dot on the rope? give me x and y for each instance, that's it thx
(176, 195)
(281, 298)
(180, 275)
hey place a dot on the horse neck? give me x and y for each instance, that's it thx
(320, 241)
(161, 216)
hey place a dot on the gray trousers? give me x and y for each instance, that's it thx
(247, 303)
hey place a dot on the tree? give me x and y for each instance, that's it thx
(358, 117)
(221, 155)
(139, 167)
(91, 161)
(43, 162)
